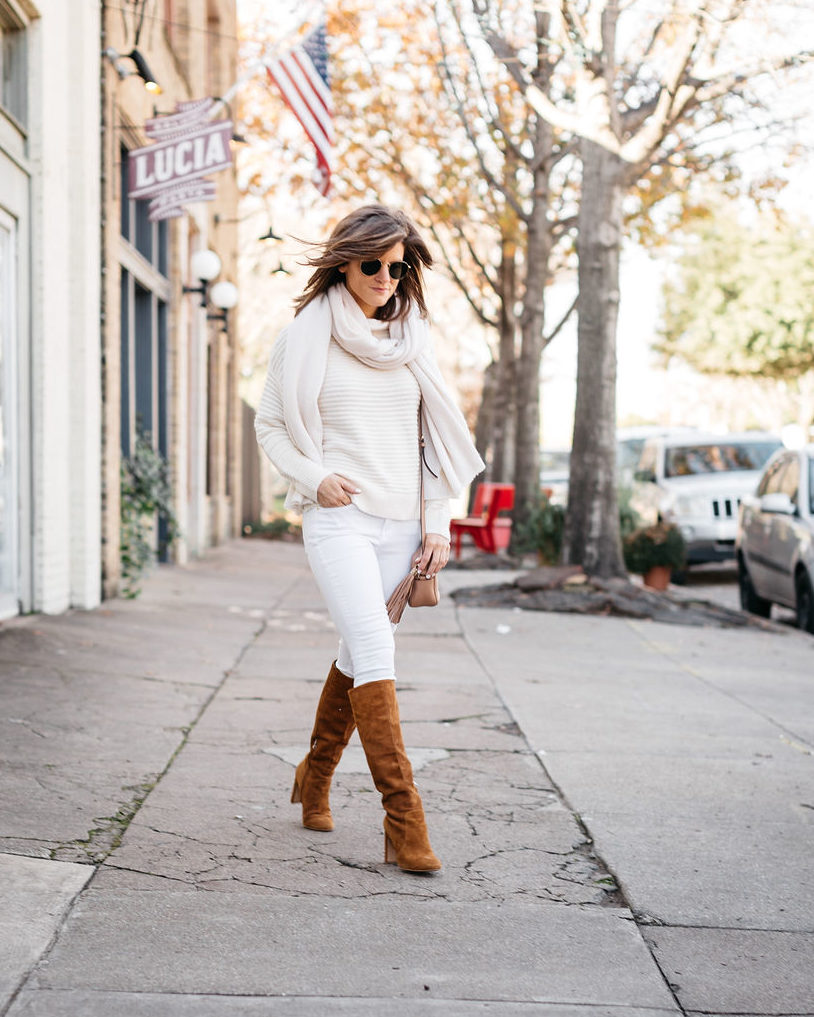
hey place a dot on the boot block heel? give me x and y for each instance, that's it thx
(408, 845)
(296, 792)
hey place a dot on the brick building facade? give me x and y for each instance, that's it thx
(98, 339)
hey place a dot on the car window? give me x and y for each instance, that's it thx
(554, 461)
(790, 479)
(770, 481)
(687, 460)
(628, 453)
(811, 485)
(646, 470)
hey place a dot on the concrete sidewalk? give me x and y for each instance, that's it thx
(151, 864)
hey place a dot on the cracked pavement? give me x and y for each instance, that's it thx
(624, 811)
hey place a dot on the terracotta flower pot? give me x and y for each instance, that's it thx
(657, 577)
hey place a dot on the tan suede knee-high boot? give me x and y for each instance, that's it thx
(333, 727)
(376, 712)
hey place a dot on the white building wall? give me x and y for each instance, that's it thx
(65, 337)
(85, 330)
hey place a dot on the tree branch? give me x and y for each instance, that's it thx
(494, 118)
(459, 106)
(561, 323)
(572, 123)
(458, 280)
(425, 200)
(577, 34)
(715, 88)
(563, 226)
(608, 19)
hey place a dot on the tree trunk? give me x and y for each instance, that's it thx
(527, 389)
(532, 323)
(483, 425)
(494, 429)
(527, 375)
(591, 536)
(502, 410)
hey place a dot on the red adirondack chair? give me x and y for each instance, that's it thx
(490, 531)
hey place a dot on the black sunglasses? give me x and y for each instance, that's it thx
(397, 269)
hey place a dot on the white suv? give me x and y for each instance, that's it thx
(697, 481)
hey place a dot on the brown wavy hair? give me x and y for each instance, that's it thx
(365, 234)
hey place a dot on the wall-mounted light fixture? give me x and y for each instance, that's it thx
(142, 69)
(223, 295)
(238, 139)
(205, 266)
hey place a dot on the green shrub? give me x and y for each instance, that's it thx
(629, 518)
(145, 491)
(278, 528)
(541, 532)
(649, 546)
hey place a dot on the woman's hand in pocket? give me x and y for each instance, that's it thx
(336, 490)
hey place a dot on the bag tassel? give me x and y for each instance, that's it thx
(399, 597)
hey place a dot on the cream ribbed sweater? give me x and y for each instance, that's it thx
(369, 435)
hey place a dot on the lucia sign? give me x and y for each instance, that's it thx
(188, 146)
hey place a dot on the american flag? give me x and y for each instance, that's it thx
(301, 74)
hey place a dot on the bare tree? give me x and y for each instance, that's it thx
(683, 73)
(493, 218)
(422, 118)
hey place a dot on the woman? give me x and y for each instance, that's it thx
(339, 420)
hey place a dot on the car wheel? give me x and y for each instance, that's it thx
(750, 601)
(804, 601)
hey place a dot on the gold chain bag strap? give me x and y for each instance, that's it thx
(417, 588)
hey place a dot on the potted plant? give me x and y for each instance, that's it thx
(654, 552)
(146, 491)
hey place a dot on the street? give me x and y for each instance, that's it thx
(624, 809)
(719, 584)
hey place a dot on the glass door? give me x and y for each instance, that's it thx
(9, 556)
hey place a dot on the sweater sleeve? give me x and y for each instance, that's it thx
(273, 437)
(436, 516)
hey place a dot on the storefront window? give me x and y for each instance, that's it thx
(13, 69)
(144, 231)
(150, 239)
(144, 294)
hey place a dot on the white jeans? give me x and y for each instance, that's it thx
(358, 560)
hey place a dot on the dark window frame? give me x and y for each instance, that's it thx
(810, 467)
(144, 339)
(150, 239)
(14, 69)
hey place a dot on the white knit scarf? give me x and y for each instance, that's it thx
(449, 449)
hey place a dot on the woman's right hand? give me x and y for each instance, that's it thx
(336, 490)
